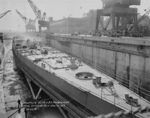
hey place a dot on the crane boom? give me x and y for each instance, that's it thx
(29, 24)
(144, 16)
(3, 14)
(140, 19)
(35, 9)
(23, 17)
(41, 19)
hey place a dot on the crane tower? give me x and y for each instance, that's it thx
(119, 13)
(41, 19)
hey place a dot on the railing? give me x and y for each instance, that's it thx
(89, 91)
(119, 78)
(86, 90)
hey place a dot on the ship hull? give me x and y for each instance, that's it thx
(82, 102)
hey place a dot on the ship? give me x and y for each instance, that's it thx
(85, 91)
(114, 39)
(95, 74)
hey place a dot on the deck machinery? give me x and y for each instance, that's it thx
(119, 13)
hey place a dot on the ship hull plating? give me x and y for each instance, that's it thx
(82, 102)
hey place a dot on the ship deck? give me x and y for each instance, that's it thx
(55, 61)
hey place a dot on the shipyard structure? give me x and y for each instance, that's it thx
(116, 15)
(83, 90)
(117, 42)
(121, 50)
(105, 62)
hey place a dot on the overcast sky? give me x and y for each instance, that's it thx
(54, 8)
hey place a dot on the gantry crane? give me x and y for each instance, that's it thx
(29, 24)
(3, 14)
(41, 19)
(120, 14)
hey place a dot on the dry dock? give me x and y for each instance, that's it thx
(56, 75)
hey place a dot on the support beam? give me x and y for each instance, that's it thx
(105, 28)
(62, 111)
(38, 93)
(113, 20)
(97, 19)
(33, 94)
(117, 23)
(135, 22)
(101, 22)
(29, 81)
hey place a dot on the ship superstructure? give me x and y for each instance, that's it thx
(88, 91)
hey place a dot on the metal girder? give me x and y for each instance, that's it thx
(40, 89)
(97, 19)
(62, 111)
(101, 22)
(3, 14)
(144, 16)
(37, 12)
(117, 22)
(33, 94)
(117, 10)
(113, 20)
(105, 28)
(109, 3)
(22, 16)
(29, 25)
(41, 19)
(35, 9)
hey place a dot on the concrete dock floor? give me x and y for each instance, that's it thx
(11, 87)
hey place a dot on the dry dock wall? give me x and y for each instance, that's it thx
(125, 59)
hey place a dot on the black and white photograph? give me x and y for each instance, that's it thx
(74, 58)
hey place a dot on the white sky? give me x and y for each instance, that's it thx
(54, 8)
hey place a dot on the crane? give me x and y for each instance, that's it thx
(3, 14)
(119, 13)
(144, 15)
(29, 25)
(23, 17)
(130, 28)
(41, 19)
